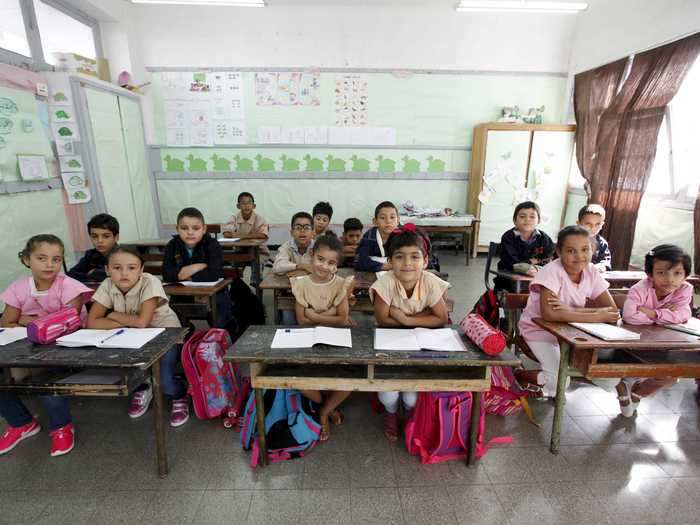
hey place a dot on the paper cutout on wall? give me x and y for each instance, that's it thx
(173, 164)
(385, 165)
(71, 163)
(289, 164)
(316, 135)
(264, 163)
(76, 188)
(269, 134)
(59, 91)
(313, 163)
(62, 114)
(435, 165)
(294, 135)
(196, 164)
(243, 164)
(65, 130)
(8, 106)
(486, 194)
(221, 163)
(360, 164)
(229, 132)
(32, 167)
(290, 88)
(410, 165)
(335, 164)
(351, 98)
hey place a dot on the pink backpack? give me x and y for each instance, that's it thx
(47, 329)
(213, 383)
(506, 397)
(439, 428)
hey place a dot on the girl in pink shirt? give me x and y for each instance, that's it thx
(27, 299)
(664, 297)
(560, 292)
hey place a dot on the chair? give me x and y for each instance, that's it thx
(494, 251)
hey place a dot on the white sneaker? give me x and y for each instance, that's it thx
(630, 408)
(140, 402)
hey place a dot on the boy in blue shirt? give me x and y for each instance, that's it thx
(104, 234)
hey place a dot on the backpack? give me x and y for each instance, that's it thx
(439, 428)
(48, 328)
(213, 383)
(292, 425)
(246, 308)
(489, 308)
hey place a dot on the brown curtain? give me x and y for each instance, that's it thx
(594, 90)
(627, 136)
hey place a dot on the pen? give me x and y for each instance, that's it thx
(2, 330)
(120, 331)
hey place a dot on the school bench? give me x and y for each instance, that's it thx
(121, 371)
(364, 369)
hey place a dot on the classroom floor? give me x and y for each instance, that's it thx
(610, 470)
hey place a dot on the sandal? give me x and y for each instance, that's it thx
(391, 426)
(325, 431)
(336, 417)
(628, 406)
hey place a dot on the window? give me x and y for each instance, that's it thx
(63, 33)
(13, 36)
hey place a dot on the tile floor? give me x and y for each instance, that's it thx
(644, 470)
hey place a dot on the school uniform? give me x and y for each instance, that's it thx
(543, 344)
(147, 287)
(90, 268)
(429, 290)
(321, 297)
(288, 256)
(371, 254)
(643, 294)
(256, 223)
(207, 251)
(514, 249)
(601, 252)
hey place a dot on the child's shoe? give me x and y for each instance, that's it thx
(140, 401)
(13, 435)
(62, 440)
(180, 412)
(630, 406)
(391, 426)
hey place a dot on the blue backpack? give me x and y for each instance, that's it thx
(292, 426)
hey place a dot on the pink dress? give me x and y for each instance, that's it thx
(554, 277)
(643, 294)
(23, 295)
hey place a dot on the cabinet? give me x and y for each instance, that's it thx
(512, 163)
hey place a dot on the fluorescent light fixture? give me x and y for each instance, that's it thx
(220, 3)
(521, 6)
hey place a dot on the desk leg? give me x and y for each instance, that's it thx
(275, 307)
(474, 427)
(256, 271)
(260, 415)
(161, 450)
(467, 244)
(560, 400)
(518, 287)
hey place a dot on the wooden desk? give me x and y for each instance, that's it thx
(244, 251)
(617, 279)
(132, 364)
(659, 352)
(361, 368)
(520, 282)
(179, 290)
(460, 225)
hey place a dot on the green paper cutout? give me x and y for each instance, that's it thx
(75, 180)
(27, 125)
(72, 163)
(335, 164)
(313, 164)
(62, 114)
(172, 164)
(359, 164)
(265, 164)
(60, 97)
(65, 132)
(243, 164)
(410, 165)
(221, 163)
(8, 106)
(435, 165)
(196, 164)
(386, 165)
(289, 164)
(6, 125)
(79, 195)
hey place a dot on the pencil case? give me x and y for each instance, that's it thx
(485, 336)
(47, 329)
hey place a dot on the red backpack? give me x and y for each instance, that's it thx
(213, 383)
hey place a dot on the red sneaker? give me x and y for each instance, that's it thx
(13, 435)
(62, 440)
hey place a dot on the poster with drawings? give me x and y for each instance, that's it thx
(293, 88)
(351, 98)
(229, 132)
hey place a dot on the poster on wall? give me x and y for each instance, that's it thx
(292, 88)
(351, 98)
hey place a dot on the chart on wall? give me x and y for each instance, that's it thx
(21, 132)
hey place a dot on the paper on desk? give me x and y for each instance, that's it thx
(607, 332)
(202, 284)
(308, 337)
(10, 335)
(624, 275)
(117, 338)
(439, 339)
(691, 327)
(225, 240)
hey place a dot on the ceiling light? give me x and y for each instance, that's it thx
(521, 6)
(221, 3)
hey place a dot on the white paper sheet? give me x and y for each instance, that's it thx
(438, 339)
(691, 327)
(269, 134)
(316, 135)
(118, 338)
(10, 335)
(32, 167)
(307, 337)
(607, 332)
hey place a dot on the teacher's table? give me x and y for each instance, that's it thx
(660, 352)
(362, 368)
(122, 370)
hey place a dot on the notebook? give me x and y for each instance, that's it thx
(692, 327)
(624, 275)
(440, 339)
(308, 337)
(118, 338)
(10, 335)
(225, 240)
(607, 332)
(203, 284)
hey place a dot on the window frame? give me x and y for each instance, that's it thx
(37, 61)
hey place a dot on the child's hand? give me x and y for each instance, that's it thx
(397, 315)
(304, 267)
(532, 271)
(651, 314)
(296, 273)
(349, 321)
(352, 300)
(229, 235)
(24, 320)
(311, 315)
(671, 307)
(610, 315)
(556, 303)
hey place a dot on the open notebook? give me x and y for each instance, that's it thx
(10, 335)
(203, 284)
(692, 327)
(228, 240)
(118, 338)
(607, 332)
(308, 337)
(440, 339)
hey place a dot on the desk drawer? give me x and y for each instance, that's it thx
(368, 378)
(105, 382)
(640, 363)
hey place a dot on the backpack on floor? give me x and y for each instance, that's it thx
(439, 428)
(292, 425)
(213, 383)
